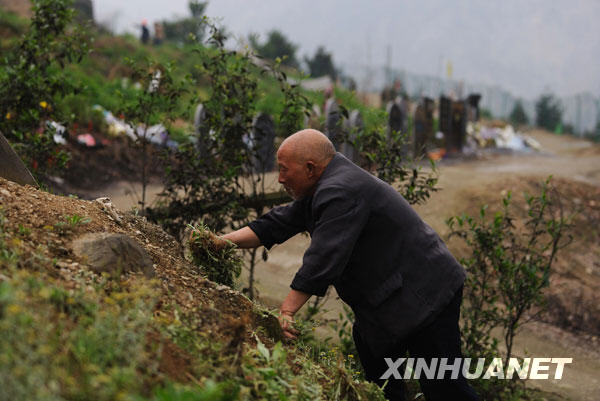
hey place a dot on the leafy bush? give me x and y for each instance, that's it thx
(204, 176)
(508, 269)
(276, 46)
(154, 103)
(518, 115)
(32, 82)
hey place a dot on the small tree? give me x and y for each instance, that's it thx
(508, 269)
(154, 103)
(276, 46)
(548, 112)
(215, 178)
(33, 83)
(201, 174)
(321, 64)
(518, 115)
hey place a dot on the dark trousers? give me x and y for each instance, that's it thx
(439, 339)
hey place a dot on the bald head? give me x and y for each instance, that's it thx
(309, 144)
(302, 158)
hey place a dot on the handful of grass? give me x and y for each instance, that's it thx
(214, 256)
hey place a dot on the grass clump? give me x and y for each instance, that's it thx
(214, 256)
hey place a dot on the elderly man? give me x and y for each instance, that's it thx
(394, 271)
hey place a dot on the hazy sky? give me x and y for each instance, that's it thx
(525, 46)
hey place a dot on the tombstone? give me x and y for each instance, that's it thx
(456, 140)
(423, 126)
(429, 110)
(354, 126)
(420, 129)
(333, 123)
(396, 123)
(11, 166)
(445, 124)
(395, 118)
(313, 119)
(473, 107)
(202, 134)
(263, 138)
(404, 104)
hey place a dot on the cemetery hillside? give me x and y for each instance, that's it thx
(124, 158)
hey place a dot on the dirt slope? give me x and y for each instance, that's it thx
(43, 229)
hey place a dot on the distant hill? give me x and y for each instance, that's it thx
(85, 8)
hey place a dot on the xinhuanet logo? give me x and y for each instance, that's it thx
(441, 368)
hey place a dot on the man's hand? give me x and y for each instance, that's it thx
(286, 320)
(289, 307)
(219, 243)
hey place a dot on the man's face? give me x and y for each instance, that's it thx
(293, 175)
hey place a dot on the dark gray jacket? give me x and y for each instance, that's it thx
(387, 264)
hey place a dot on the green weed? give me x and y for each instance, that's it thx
(70, 223)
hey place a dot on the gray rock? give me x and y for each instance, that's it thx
(11, 166)
(111, 252)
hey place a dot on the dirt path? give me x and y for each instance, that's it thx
(466, 185)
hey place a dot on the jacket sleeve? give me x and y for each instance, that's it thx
(339, 221)
(279, 224)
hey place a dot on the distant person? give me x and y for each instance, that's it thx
(159, 33)
(145, 38)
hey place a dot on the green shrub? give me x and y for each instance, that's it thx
(507, 271)
(33, 82)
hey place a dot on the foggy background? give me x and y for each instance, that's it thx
(502, 49)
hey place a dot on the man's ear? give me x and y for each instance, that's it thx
(311, 168)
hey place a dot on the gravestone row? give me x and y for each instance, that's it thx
(342, 131)
(261, 139)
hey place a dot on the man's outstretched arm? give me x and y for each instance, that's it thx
(246, 238)
(243, 238)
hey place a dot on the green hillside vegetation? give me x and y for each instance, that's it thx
(105, 74)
